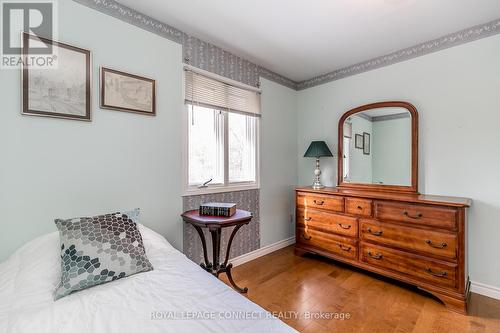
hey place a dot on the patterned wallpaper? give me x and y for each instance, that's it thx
(211, 58)
(246, 240)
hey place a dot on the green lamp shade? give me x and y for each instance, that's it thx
(318, 149)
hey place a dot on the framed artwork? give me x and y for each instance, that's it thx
(358, 141)
(60, 92)
(366, 143)
(127, 92)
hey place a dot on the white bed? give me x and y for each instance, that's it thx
(163, 300)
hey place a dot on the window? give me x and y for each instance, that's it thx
(222, 123)
(347, 158)
(346, 149)
(206, 146)
(242, 141)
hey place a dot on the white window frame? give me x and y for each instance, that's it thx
(346, 158)
(217, 188)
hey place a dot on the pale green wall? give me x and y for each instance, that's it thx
(391, 151)
(56, 168)
(454, 90)
(278, 173)
(53, 168)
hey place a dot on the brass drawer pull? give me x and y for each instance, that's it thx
(418, 216)
(377, 256)
(345, 248)
(346, 227)
(375, 233)
(436, 246)
(431, 272)
(307, 218)
(306, 237)
(319, 203)
(359, 207)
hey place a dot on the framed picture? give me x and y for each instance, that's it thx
(59, 92)
(127, 92)
(358, 141)
(366, 143)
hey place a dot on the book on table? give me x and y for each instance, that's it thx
(218, 209)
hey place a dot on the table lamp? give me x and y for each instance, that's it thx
(318, 149)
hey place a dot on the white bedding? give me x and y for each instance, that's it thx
(163, 300)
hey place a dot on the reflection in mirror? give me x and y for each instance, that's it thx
(377, 147)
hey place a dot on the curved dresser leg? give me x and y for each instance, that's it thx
(454, 304)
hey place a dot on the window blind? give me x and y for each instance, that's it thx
(208, 92)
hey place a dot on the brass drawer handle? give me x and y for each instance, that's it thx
(306, 237)
(319, 203)
(436, 246)
(377, 256)
(346, 227)
(418, 216)
(345, 248)
(375, 233)
(431, 272)
(307, 218)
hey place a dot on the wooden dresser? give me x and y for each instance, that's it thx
(417, 239)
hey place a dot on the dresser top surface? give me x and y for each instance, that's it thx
(394, 196)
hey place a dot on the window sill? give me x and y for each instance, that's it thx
(225, 189)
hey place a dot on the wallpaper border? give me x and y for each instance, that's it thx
(207, 56)
(454, 39)
(196, 52)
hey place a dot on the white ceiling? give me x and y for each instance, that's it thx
(304, 38)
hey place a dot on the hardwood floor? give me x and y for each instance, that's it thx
(283, 282)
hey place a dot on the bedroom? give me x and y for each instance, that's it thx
(299, 67)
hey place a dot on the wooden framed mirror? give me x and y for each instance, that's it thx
(378, 148)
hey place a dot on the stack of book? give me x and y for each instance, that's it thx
(218, 209)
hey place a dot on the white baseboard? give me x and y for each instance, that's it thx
(262, 251)
(476, 287)
(485, 290)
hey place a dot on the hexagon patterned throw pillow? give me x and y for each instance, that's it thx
(100, 249)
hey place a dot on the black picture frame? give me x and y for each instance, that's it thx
(366, 143)
(52, 95)
(131, 79)
(358, 141)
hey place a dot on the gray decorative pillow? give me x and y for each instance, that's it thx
(100, 249)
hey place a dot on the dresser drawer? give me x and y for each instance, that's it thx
(413, 266)
(328, 222)
(435, 216)
(338, 245)
(429, 242)
(357, 206)
(328, 202)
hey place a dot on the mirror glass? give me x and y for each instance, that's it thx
(377, 147)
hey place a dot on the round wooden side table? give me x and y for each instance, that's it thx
(215, 225)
